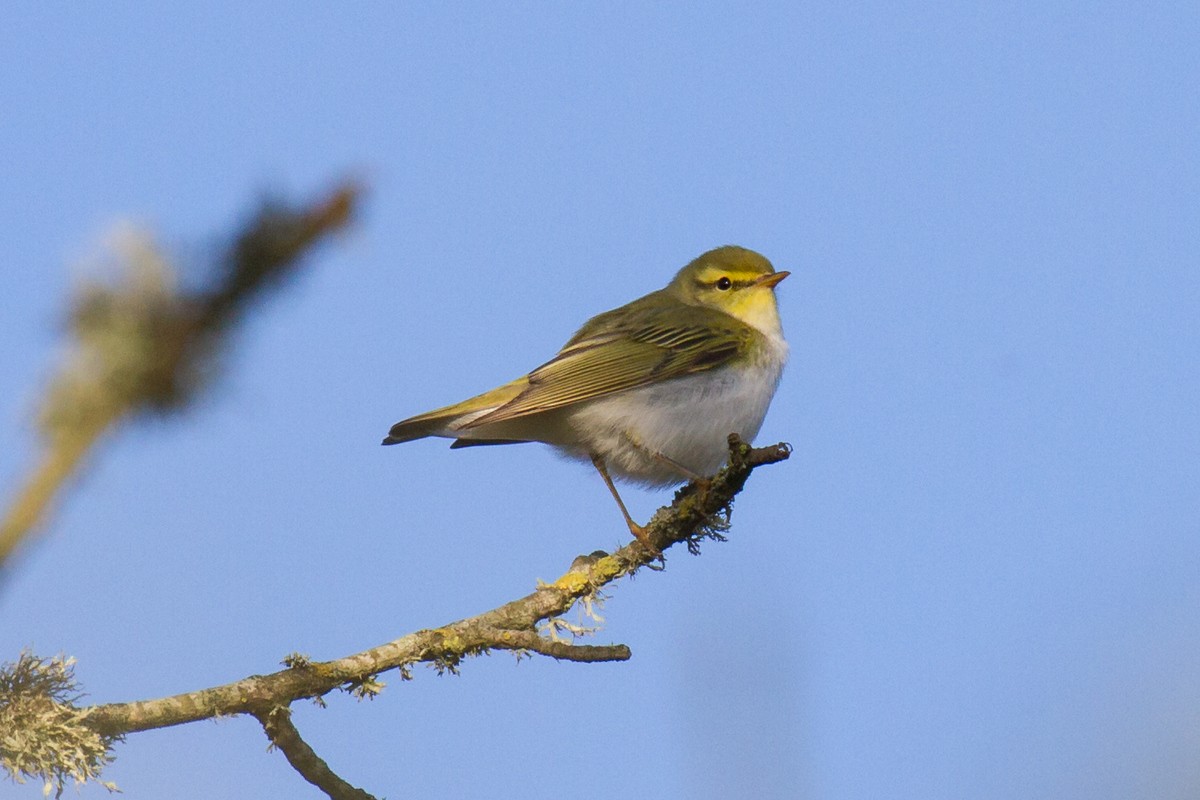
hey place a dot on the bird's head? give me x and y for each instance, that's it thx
(734, 280)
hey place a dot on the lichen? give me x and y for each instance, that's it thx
(42, 735)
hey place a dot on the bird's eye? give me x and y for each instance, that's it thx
(724, 284)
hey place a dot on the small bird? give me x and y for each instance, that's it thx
(648, 392)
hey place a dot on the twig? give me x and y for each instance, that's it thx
(583, 653)
(283, 735)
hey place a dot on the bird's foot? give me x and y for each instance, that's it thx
(643, 536)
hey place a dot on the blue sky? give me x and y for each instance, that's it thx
(976, 577)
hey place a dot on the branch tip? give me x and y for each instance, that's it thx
(583, 653)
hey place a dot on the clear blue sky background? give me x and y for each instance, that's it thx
(978, 576)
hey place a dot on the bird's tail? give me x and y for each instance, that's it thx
(449, 420)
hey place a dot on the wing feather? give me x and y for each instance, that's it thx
(662, 343)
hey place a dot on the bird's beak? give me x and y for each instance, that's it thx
(772, 279)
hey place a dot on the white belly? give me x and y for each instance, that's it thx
(688, 420)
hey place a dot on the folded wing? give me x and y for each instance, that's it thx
(657, 346)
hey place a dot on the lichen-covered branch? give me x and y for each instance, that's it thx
(698, 512)
(142, 344)
(694, 515)
(44, 735)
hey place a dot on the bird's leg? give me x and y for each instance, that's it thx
(638, 531)
(701, 482)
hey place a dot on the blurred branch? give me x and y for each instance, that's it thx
(143, 345)
(697, 513)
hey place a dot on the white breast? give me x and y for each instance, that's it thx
(688, 419)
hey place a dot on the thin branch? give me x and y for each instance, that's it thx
(695, 514)
(283, 735)
(143, 345)
(583, 653)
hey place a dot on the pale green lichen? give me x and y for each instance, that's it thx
(296, 661)
(584, 581)
(42, 735)
(365, 688)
